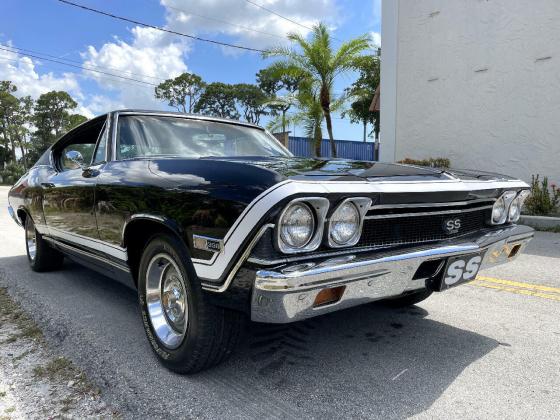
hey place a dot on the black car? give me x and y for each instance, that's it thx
(212, 220)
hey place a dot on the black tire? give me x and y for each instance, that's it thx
(44, 257)
(408, 299)
(212, 332)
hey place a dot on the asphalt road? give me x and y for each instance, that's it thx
(489, 349)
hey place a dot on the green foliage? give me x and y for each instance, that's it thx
(182, 92)
(251, 100)
(11, 173)
(52, 118)
(431, 162)
(318, 64)
(361, 93)
(218, 100)
(544, 200)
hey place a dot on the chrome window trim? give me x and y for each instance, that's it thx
(116, 115)
(363, 208)
(320, 206)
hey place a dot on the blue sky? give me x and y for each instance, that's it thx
(50, 27)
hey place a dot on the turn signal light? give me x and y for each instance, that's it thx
(328, 296)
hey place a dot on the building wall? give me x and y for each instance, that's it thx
(477, 81)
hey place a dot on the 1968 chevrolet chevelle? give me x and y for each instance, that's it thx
(211, 220)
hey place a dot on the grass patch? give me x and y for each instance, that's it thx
(63, 370)
(555, 229)
(10, 312)
(2, 394)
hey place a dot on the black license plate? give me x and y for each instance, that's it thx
(459, 270)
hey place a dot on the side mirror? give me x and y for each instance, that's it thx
(74, 159)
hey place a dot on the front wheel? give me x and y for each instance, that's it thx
(186, 332)
(41, 256)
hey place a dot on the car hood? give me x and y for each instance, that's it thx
(347, 170)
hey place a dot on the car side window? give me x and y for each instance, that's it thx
(79, 151)
(101, 147)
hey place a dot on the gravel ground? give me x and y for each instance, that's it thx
(487, 349)
(35, 382)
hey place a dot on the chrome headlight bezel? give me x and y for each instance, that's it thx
(505, 199)
(319, 207)
(362, 205)
(517, 203)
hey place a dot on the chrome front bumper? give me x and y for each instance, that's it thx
(288, 293)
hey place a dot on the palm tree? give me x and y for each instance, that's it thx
(310, 115)
(319, 64)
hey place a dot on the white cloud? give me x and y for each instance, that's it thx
(376, 38)
(151, 57)
(268, 29)
(22, 71)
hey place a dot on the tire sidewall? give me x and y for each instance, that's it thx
(29, 224)
(176, 250)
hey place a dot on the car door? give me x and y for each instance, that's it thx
(69, 192)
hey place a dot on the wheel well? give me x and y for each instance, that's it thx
(136, 236)
(22, 214)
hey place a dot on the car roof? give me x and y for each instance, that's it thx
(183, 115)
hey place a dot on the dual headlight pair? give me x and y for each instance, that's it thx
(507, 208)
(302, 222)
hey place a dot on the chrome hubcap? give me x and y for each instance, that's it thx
(31, 238)
(166, 300)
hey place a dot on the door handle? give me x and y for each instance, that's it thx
(90, 173)
(47, 184)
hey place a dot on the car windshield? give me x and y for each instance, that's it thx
(145, 136)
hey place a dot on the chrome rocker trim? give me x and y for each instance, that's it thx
(288, 294)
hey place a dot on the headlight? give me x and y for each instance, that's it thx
(345, 224)
(516, 205)
(297, 225)
(501, 208)
(300, 225)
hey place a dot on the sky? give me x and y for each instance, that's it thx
(51, 29)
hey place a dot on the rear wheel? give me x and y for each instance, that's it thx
(41, 256)
(408, 299)
(186, 332)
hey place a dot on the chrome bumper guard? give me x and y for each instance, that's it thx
(288, 294)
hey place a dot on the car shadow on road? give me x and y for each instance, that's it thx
(365, 362)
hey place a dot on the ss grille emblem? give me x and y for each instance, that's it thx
(451, 226)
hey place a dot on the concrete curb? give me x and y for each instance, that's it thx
(542, 222)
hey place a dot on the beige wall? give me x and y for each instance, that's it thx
(478, 82)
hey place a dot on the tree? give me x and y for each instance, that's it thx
(310, 115)
(182, 92)
(362, 91)
(272, 84)
(252, 101)
(218, 100)
(8, 109)
(317, 61)
(20, 128)
(52, 118)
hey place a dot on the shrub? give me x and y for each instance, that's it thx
(11, 173)
(543, 200)
(431, 162)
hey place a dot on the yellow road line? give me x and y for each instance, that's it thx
(517, 291)
(519, 284)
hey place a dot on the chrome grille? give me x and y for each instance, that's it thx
(415, 224)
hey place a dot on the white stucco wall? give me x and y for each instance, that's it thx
(477, 81)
